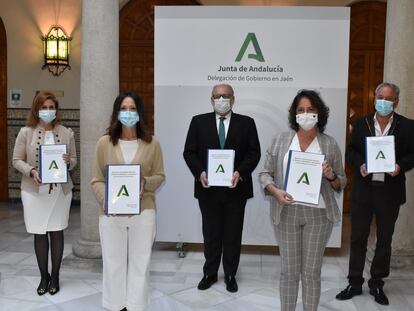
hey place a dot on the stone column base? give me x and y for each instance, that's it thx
(87, 249)
(399, 260)
(91, 265)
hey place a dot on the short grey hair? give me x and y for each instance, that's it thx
(394, 87)
(223, 84)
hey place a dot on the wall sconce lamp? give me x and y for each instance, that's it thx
(56, 48)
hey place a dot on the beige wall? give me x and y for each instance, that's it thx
(25, 22)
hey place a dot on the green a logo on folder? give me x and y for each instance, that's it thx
(220, 169)
(53, 165)
(380, 155)
(123, 191)
(304, 179)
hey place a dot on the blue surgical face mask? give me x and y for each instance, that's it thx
(384, 107)
(128, 118)
(47, 115)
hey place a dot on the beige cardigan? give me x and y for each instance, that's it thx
(149, 156)
(26, 153)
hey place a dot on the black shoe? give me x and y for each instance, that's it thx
(53, 286)
(379, 296)
(231, 284)
(349, 292)
(207, 281)
(43, 285)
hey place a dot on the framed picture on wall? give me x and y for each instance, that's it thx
(16, 98)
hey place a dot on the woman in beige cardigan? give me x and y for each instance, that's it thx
(46, 208)
(127, 240)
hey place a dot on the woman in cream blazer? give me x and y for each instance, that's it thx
(127, 239)
(46, 207)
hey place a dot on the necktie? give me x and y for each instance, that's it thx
(222, 132)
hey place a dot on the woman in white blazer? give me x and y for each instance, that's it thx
(45, 207)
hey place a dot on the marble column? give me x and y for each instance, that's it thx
(98, 89)
(399, 69)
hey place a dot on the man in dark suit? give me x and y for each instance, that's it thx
(379, 194)
(222, 208)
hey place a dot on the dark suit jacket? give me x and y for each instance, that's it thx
(241, 136)
(403, 129)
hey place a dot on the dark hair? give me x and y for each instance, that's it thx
(38, 101)
(115, 128)
(316, 101)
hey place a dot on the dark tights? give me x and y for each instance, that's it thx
(41, 245)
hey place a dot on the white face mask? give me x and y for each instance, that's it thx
(307, 120)
(222, 105)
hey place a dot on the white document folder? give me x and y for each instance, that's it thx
(304, 176)
(380, 154)
(123, 187)
(220, 167)
(52, 168)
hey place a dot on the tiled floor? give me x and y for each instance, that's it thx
(174, 279)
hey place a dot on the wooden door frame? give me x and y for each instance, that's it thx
(145, 40)
(367, 47)
(4, 188)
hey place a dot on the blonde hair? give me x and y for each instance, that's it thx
(38, 100)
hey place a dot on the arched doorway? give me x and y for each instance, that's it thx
(366, 64)
(3, 115)
(136, 50)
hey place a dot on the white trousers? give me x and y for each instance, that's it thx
(126, 252)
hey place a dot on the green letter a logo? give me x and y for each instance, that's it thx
(220, 169)
(380, 155)
(251, 37)
(304, 178)
(123, 191)
(53, 165)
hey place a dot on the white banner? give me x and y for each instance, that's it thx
(267, 54)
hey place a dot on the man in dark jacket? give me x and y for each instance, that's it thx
(379, 194)
(222, 208)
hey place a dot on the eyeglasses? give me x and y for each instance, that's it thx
(226, 96)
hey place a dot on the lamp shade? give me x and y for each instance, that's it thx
(56, 48)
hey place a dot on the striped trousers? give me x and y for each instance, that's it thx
(302, 234)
